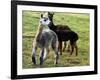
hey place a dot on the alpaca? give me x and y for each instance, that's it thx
(64, 33)
(43, 39)
(58, 27)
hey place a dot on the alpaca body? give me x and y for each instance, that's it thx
(43, 39)
(66, 35)
(58, 29)
(46, 37)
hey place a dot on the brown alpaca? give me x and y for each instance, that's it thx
(58, 27)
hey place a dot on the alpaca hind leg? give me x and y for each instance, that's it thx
(46, 54)
(72, 48)
(68, 48)
(34, 54)
(76, 48)
(60, 47)
(64, 46)
(41, 56)
(56, 55)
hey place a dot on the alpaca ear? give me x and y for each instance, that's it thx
(41, 15)
(48, 13)
(51, 13)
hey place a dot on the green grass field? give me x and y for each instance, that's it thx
(76, 21)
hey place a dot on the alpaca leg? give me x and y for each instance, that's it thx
(68, 49)
(34, 54)
(76, 49)
(56, 55)
(60, 47)
(72, 47)
(64, 46)
(41, 56)
(46, 54)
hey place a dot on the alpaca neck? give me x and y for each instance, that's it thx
(52, 26)
(39, 32)
(40, 28)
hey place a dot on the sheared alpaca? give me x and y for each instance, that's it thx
(43, 39)
(58, 27)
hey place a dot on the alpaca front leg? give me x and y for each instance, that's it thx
(72, 49)
(68, 47)
(46, 54)
(60, 47)
(76, 49)
(41, 56)
(33, 55)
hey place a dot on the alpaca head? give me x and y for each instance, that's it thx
(44, 20)
(47, 19)
(50, 15)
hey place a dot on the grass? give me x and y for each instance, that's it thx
(77, 22)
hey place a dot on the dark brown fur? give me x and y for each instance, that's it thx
(64, 33)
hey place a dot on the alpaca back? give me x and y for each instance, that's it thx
(50, 37)
(46, 38)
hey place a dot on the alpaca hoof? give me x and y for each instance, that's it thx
(33, 60)
(55, 63)
(40, 66)
(76, 54)
(68, 50)
(41, 60)
(70, 54)
(63, 50)
(60, 53)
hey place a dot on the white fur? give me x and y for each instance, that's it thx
(43, 22)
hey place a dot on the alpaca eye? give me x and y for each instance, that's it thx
(45, 20)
